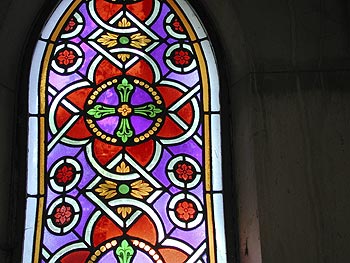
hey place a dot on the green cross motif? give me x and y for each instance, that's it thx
(124, 131)
(125, 252)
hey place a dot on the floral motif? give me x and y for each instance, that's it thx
(123, 168)
(70, 25)
(182, 57)
(109, 40)
(138, 40)
(66, 57)
(125, 252)
(184, 171)
(124, 110)
(123, 56)
(140, 189)
(65, 174)
(185, 210)
(124, 23)
(63, 215)
(107, 190)
(124, 211)
(177, 26)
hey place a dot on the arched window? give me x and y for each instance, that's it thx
(124, 157)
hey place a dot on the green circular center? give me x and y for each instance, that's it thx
(123, 189)
(124, 40)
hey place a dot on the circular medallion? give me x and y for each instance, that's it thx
(73, 26)
(64, 174)
(63, 215)
(184, 171)
(180, 58)
(67, 58)
(124, 111)
(175, 27)
(185, 211)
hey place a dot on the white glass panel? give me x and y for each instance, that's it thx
(213, 76)
(29, 229)
(34, 82)
(216, 153)
(219, 228)
(32, 172)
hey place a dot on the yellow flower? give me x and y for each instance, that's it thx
(125, 110)
(138, 40)
(124, 23)
(109, 40)
(107, 190)
(123, 57)
(124, 211)
(123, 168)
(140, 189)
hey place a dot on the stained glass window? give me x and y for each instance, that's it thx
(124, 155)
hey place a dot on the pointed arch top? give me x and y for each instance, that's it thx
(124, 156)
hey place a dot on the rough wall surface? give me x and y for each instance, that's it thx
(285, 68)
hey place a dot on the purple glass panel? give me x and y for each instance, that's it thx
(158, 171)
(158, 26)
(109, 124)
(162, 210)
(140, 97)
(140, 124)
(88, 22)
(109, 257)
(109, 97)
(189, 79)
(60, 82)
(194, 237)
(60, 151)
(158, 54)
(53, 242)
(190, 147)
(89, 55)
(87, 209)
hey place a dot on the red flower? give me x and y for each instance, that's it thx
(65, 174)
(70, 25)
(184, 171)
(66, 57)
(185, 210)
(177, 26)
(181, 57)
(63, 214)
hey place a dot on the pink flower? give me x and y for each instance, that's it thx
(63, 214)
(185, 210)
